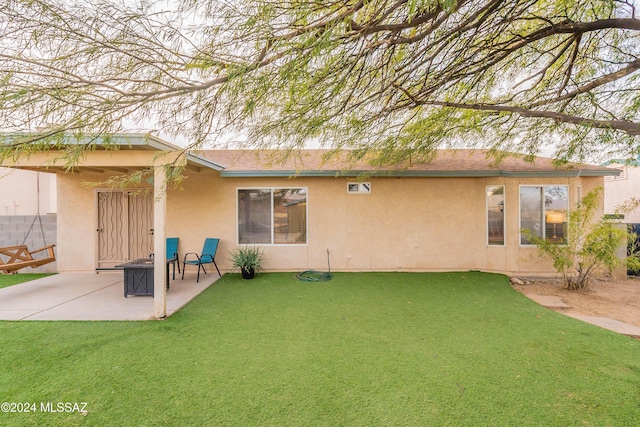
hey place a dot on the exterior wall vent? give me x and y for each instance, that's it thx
(358, 187)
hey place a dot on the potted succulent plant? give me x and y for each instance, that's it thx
(248, 260)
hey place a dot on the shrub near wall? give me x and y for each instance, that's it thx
(591, 245)
(633, 250)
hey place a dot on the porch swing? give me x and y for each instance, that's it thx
(14, 258)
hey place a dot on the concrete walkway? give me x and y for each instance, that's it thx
(555, 303)
(91, 296)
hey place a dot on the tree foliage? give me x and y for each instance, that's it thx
(633, 260)
(401, 77)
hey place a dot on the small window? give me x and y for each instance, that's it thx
(495, 215)
(543, 212)
(272, 216)
(358, 187)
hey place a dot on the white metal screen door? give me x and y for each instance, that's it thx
(140, 220)
(125, 226)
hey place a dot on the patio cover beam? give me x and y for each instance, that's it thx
(96, 159)
(120, 161)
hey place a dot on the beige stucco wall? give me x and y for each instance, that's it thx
(77, 222)
(618, 190)
(405, 224)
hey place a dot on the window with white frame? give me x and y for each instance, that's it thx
(495, 214)
(358, 187)
(272, 216)
(543, 212)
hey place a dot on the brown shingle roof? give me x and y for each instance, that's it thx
(446, 163)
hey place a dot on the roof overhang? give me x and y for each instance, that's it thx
(99, 155)
(448, 163)
(420, 174)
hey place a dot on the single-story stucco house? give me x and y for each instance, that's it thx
(461, 211)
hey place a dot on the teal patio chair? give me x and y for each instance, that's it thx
(206, 257)
(172, 254)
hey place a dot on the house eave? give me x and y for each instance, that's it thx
(124, 142)
(202, 162)
(417, 174)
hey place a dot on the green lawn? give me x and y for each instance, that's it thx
(366, 349)
(14, 279)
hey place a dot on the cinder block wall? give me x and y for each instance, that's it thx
(14, 228)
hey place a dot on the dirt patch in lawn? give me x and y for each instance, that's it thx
(615, 299)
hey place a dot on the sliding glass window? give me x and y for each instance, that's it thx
(543, 213)
(495, 215)
(272, 216)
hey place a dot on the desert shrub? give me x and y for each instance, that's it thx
(591, 245)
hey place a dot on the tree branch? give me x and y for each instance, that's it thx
(626, 126)
(631, 68)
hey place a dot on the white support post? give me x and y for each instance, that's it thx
(159, 242)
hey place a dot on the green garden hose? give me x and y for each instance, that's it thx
(316, 276)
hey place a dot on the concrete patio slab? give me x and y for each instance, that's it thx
(91, 296)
